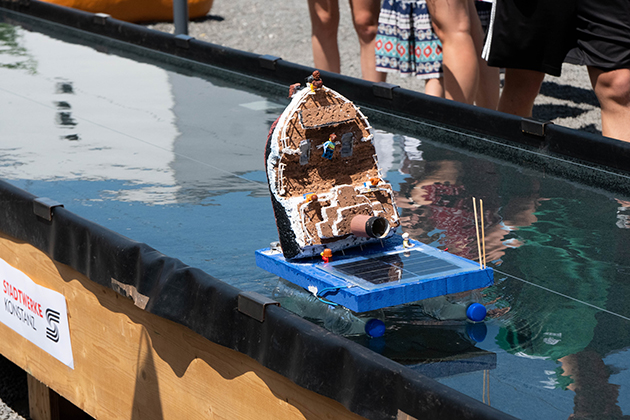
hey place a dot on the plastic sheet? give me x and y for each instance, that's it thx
(363, 381)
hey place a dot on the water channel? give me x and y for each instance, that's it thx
(175, 159)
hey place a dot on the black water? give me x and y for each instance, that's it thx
(176, 160)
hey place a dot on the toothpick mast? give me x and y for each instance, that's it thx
(483, 233)
(477, 230)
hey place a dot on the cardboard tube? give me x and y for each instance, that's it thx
(369, 226)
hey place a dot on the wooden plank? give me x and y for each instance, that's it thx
(46, 404)
(130, 364)
(40, 404)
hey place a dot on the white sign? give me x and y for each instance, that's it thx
(38, 314)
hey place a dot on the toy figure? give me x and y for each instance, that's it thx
(329, 147)
(406, 243)
(326, 255)
(293, 89)
(315, 81)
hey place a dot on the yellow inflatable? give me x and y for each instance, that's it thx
(137, 10)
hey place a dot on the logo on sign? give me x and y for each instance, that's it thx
(52, 318)
(36, 313)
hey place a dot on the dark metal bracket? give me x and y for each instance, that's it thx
(384, 90)
(268, 61)
(43, 207)
(101, 18)
(533, 127)
(183, 41)
(253, 305)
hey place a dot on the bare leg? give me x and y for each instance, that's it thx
(324, 25)
(613, 92)
(434, 87)
(489, 84)
(452, 24)
(520, 91)
(365, 18)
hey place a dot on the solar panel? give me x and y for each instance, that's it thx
(384, 269)
(380, 275)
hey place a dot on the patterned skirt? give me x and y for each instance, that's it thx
(405, 42)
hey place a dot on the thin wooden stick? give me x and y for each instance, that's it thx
(483, 233)
(477, 229)
(488, 382)
(483, 392)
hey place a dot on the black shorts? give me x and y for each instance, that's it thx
(603, 34)
(538, 35)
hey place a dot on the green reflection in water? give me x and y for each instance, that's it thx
(12, 54)
(572, 248)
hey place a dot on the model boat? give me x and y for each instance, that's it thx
(330, 200)
(326, 188)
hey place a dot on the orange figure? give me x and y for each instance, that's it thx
(315, 80)
(293, 88)
(375, 181)
(326, 255)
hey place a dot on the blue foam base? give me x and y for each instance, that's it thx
(314, 275)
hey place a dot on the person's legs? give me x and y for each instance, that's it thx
(452, 24)
(365, 19)
(613, 92)
(434, 87)
(519, 92)
(489, 84)
(324, 25)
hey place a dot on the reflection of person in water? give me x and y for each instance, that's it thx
(434, 201)
(595, 396)
(435, 206)
(566, 242)
(623, 214)
(561, 252)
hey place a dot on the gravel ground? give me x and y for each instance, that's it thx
(282, 28)
(13, 391)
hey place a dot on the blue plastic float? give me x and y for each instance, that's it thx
(381, 275)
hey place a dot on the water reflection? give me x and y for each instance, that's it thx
(64, 87)
(435, 349)
(12, 54)
(120, 106)
(435, 203)
(64, 118)
(541, 232)
(595, 396)
(623, 214)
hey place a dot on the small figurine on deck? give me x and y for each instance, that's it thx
(315, 81)
(406, 243)
(326, 255)
(329, 147)
(293, 89)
